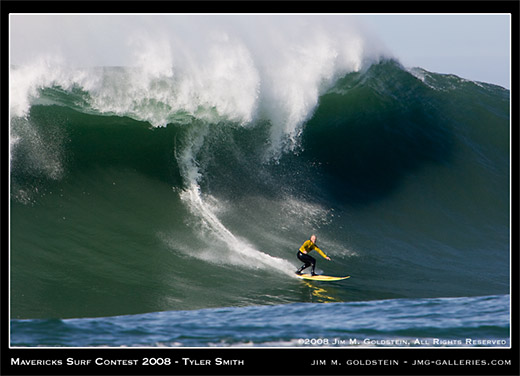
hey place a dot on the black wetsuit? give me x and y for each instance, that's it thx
(307, 260)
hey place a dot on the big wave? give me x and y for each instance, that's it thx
(190, 179)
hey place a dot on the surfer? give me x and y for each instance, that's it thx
(303, 255)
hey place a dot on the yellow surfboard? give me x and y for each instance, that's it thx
(321, 277)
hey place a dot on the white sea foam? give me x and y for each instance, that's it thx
(25, 81)
(223, 246)
(237, 68)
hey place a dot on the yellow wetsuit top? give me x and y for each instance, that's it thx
(309, 246)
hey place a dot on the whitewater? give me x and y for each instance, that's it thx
(178, 184)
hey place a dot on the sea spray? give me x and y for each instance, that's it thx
(235, 69)
(222, 245)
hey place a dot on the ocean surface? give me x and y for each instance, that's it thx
(149, 208)
(440, 322)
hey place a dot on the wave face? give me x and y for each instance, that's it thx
(140, 191)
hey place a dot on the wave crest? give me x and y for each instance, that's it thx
(213, 68)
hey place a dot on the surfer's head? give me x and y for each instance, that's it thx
(313, 238)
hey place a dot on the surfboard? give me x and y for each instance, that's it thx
(321, 277)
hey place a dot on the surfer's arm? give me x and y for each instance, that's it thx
(321, 253)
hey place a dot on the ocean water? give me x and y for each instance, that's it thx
(158, 194)
(403, 323)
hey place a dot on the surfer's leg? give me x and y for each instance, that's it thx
(313, 262)
(299, 271)
(308, 261)
(301, 257)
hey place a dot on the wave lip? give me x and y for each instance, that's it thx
(225, 68)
